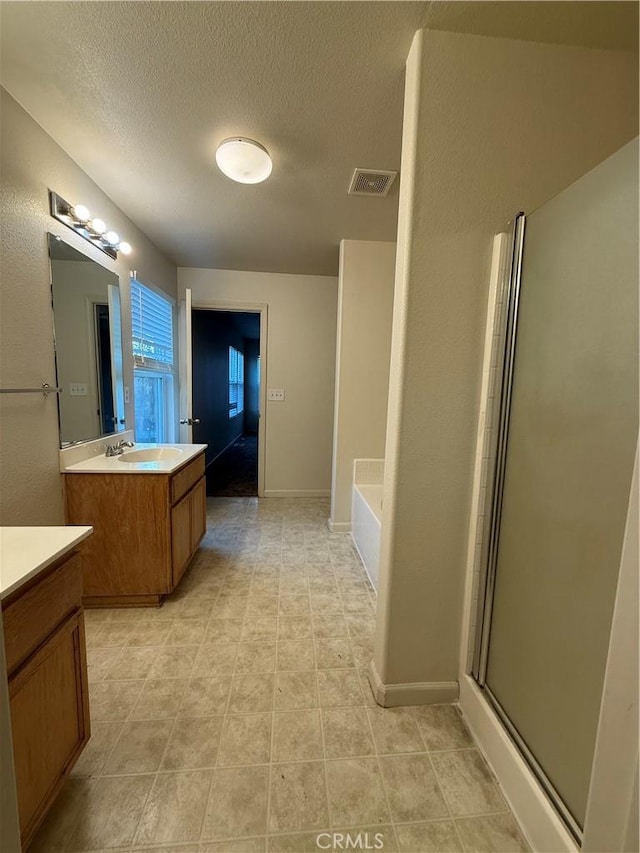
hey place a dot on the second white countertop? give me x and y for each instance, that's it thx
(25, 551)
(115, 465)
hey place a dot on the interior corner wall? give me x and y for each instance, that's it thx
(31, 163)
(301, 341)
(365, 308)
(491, 126)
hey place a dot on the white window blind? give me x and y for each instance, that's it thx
(236, 382)
(153, 360)
(152, 328)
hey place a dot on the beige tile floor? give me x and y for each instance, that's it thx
(237, 718)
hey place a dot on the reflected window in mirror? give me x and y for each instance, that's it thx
(88, 345)
(154, 382)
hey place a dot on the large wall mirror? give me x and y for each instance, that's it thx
(88, 345)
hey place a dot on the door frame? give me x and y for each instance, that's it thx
(262, 309)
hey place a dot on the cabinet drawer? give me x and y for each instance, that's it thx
(186, 478)
(35, 613)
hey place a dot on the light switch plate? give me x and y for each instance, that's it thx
(78, 389)
(276, 395)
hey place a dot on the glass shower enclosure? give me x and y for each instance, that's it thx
(567, 435)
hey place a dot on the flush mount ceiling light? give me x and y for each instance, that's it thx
(244, 160)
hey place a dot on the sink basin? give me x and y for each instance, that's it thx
(151, 454)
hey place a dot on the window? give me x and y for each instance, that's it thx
(236, 382)
(152, 326)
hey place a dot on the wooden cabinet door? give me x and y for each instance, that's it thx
(181, 537)
(198, 513)
(49, 720)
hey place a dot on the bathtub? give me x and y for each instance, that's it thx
(366, 513)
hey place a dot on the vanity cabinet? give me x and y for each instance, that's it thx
(147, 527)
(48, 691)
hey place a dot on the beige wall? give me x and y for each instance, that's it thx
(31, 163)
(491, 126)
(365, 307)
(301, 345)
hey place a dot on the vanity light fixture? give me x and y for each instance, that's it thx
(78, 218)
(244, 160)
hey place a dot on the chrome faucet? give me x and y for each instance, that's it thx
(118, 448)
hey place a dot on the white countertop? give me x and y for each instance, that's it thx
(25, 551)
(101, 464)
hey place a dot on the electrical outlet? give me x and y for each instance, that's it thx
(276, 395)
(78, 389)
(127, 397)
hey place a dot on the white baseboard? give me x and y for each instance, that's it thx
(541, 825)
(339, 526)
(414, 693)
(294, 493)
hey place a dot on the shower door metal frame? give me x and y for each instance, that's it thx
(499, 454)
(492, 530)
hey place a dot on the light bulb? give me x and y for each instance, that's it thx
(112, 238)
(81, 213)
(125, 248)
(98, 226)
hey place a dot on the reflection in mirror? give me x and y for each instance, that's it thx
(88, 343)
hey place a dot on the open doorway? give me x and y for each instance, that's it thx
(226, 398)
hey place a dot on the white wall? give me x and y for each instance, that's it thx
(31, 163)
(365, 308)
(301, 343)
(491, 126)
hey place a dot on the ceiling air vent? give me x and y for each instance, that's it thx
(371, 182)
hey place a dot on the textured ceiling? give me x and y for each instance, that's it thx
(140, 93)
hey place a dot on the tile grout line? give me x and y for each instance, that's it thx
(444, 799)
(222, 730)
(324, 766)
(272, 739)
(382, 781)
(370, 729)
